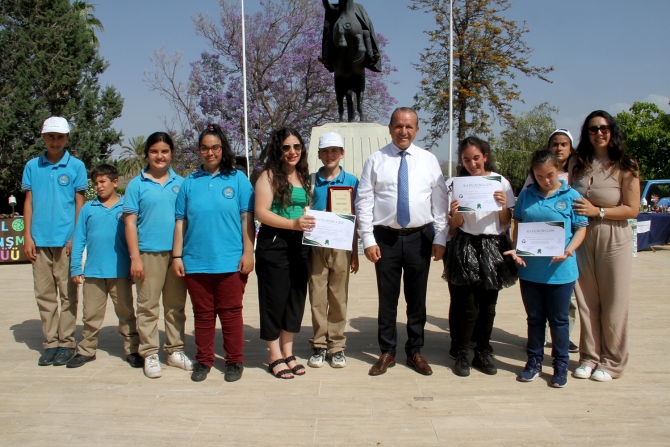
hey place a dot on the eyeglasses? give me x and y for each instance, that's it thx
(593, 130)
(215, 149)
(287, 147)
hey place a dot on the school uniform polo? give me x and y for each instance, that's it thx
(211, 206)
(101, 231)
(320, 199)
(53, 187)
(153, 204)
(532, 206)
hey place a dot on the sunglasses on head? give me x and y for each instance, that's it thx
(593, 130)
(287, 147)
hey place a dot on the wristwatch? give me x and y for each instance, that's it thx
(601, 214)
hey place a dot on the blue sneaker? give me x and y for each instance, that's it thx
(560, 377)
(532, 370)
(47, 358)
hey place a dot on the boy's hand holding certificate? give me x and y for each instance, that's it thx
(476, 193)
(540, 239)
(331, 230)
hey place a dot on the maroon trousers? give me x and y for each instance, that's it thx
(217, 294)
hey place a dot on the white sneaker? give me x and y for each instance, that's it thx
(582, 372)
(317, 359)
(179, 360)
(601, 376)
(338, 360)
(152, 367)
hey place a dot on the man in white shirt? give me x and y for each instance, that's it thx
(401, 208)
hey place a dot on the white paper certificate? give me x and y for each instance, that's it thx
(476, 193)
(331, 230)
(541, 239)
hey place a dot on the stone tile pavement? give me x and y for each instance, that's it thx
(108, 403)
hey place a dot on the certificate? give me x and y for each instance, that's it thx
(340, 199)
(476, 193)
(331, 230)
(541, 239)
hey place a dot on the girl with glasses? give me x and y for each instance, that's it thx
(608, 180)
(282, 193)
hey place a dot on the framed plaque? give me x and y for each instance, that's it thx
(340, 200)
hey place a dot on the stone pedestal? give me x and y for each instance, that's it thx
(360, 140)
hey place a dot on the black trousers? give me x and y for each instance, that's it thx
(281, 269)
(406, 257)
(473, 309)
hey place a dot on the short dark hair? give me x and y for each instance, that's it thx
(157, 137)
(480, 144)
(401, 110)
(540, 157)
(105, 169)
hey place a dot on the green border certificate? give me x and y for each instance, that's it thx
(540, 239)
(476, 193)
(331, 230)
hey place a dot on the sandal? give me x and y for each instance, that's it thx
(279, 374)
(297, 368)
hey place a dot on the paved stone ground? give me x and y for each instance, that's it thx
(108, 403)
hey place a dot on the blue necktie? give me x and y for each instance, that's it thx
(403, 192)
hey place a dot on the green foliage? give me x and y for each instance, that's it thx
(90, 193)
(646, 130)
(513, 165)
(132, 158)
(50, 67)
(489, 51)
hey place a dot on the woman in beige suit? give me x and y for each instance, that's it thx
(607, 178)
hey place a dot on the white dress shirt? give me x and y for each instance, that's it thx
(377, 199)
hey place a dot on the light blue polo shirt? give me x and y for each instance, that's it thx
(320, 199)
(531, 206)
(53, 187)
(211, 206)
(153, 204)
(102, 232)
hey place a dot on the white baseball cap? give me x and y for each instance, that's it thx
(563, 132)
(330, 139)
(56, 124)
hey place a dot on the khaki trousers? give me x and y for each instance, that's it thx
(159, 279)
(328, 296)
(95, 304)
(603, 295)
(51, 274)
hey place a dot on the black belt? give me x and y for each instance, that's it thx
(402, 231)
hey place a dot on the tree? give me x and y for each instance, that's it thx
(286, 84)
(646, 130)
(132, 158)
(488, 53)
(50, 66)
(86, 10)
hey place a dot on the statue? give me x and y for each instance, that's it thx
(349, 46)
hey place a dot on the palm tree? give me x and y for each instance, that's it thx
(132, 157)
(86, 10)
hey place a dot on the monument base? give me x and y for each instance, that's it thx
(360, 140)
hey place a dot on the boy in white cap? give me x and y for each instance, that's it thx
(329, 267)
(54, 183)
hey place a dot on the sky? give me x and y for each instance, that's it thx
(606, 54)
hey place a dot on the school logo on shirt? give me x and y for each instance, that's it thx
(561, 205)
(228, 192)
(63, 179)
(175, 189)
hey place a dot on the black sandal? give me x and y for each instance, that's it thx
(297, 368)
(279, 374)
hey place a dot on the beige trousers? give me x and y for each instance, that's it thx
(51, 274)
(159, 279)
(603, 294)
(95, 304)
(328, 296)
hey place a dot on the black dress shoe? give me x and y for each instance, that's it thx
(47, 358)
(79, 360)
(63, 356)
(135, 360)
(233, 372)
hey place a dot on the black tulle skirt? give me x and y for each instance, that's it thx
(478, 260)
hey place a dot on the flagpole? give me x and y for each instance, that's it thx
(451, 81)
(244, 88)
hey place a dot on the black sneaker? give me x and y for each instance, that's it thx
(483, 362)
(200, 372)
(573, 347)
(63, 356)
(233, 372)
(47, 358)
(79, 360)
(532, 370)
(135, 360)
(462, 365)
(560, 377)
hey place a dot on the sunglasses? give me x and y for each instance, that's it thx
(215, 149)
(287, 147)
(593, 130)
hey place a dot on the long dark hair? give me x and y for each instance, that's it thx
(275, 164)
(483, 146)
(616, 151)
(227, 165)
(540, 157)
